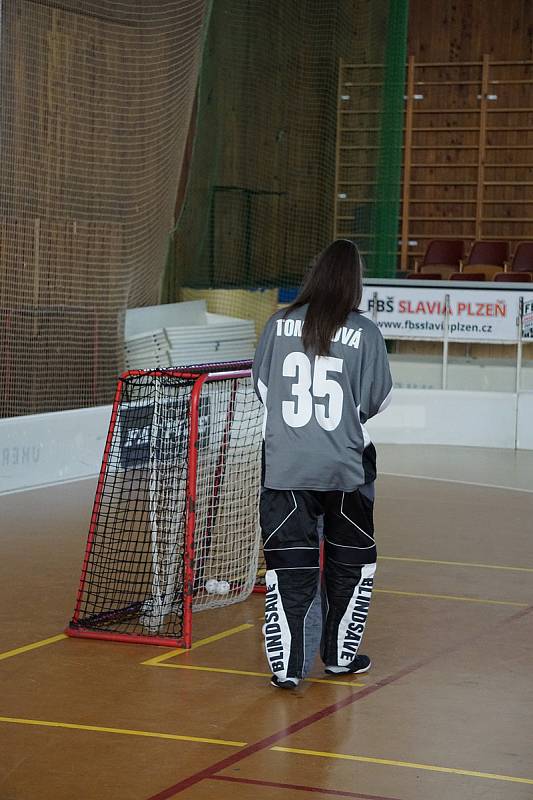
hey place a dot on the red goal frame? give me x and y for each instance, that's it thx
(200, 374)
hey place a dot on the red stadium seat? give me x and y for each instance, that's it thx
(522, 260)
(486, 257)
(467, 276)
(513, 277)
(442, 270)
(487, 253)
(442, 256)
(488, 270)
(425, 276)
(443, 251)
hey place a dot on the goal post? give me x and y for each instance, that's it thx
(174, 527)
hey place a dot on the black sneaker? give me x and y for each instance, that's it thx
(359, 664)
(288, 683)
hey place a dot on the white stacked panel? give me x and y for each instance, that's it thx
(222, 339)
(146, 348)
(206, 338)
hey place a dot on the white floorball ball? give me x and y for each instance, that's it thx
(223, 587)
(211, 586)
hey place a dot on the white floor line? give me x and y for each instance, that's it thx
(453, 480)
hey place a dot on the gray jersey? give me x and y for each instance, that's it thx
(316, 406)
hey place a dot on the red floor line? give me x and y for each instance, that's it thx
(354, 697)
(300, 787)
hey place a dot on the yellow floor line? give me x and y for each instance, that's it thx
(27, 647)
(153, 662)
(454, 597)
(255, 674)
(455, 563)
(391, 763)
(123, 731)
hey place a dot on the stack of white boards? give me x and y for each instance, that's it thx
(181, 334)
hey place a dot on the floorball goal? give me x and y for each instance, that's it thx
(174, 527)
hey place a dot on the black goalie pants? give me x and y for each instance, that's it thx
(292, 553)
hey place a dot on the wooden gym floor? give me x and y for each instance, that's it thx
(445, 714)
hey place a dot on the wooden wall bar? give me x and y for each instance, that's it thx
(482, 47)
(468, 154)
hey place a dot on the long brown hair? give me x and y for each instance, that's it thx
(333, 288)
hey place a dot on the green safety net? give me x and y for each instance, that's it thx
(297, 140)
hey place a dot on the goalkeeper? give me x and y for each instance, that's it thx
(321, 371)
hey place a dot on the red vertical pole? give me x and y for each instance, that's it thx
(190, 511)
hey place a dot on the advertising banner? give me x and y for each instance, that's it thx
(135, 431)
(527, 318)
(477, 315)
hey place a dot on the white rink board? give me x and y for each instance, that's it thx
(48, 449)
(524, 428)
(434, 416)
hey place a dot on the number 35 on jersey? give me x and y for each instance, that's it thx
(315, 391)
